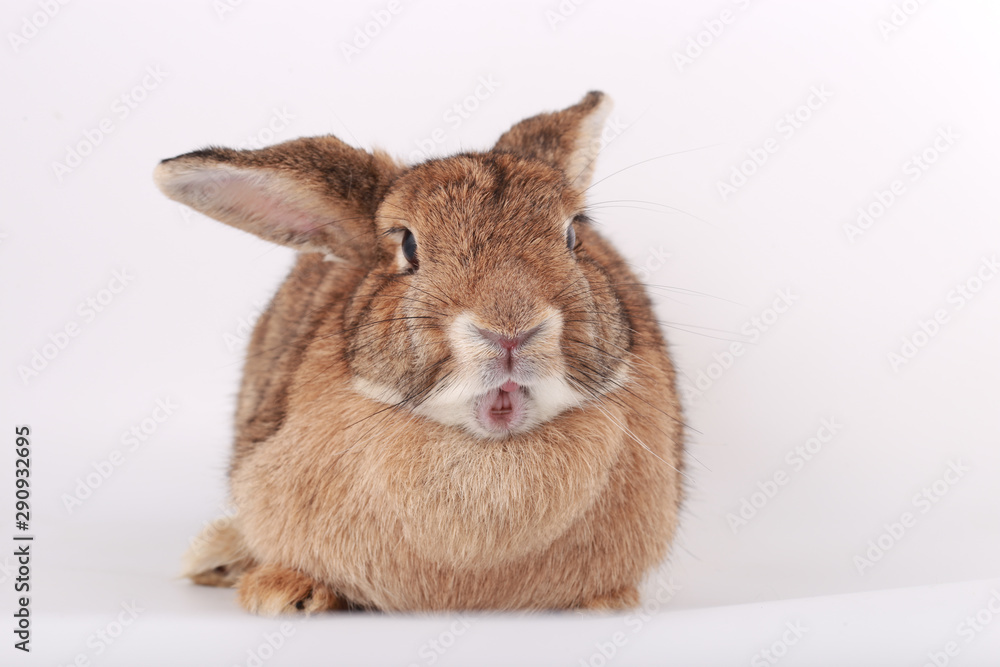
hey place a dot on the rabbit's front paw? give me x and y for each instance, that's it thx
(270, 590)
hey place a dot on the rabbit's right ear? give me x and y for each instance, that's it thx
(313, 194)
(569, 140)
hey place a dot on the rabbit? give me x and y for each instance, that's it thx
(459, 398)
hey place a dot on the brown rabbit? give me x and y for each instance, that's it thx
(458, 399)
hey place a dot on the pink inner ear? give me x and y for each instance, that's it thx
(261, 201)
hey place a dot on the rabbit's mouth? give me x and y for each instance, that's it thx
(503, 409)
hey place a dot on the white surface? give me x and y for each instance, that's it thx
(267, 66)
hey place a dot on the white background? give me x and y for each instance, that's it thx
(266, 72)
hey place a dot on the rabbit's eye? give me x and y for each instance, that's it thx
(571, 237)
(410, 248)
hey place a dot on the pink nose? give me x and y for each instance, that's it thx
(508, 343)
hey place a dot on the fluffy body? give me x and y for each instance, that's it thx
(495, 427)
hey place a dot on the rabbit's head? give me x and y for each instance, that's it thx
(483, 298)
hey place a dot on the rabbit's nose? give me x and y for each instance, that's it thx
(509, 343)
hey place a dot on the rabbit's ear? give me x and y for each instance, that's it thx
(568, 140)
(313, 194)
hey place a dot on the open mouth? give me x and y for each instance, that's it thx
(502, 409)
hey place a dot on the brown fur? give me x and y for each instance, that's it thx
(344, 499)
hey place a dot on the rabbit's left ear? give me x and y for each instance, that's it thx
(568, 140)
(313, 194)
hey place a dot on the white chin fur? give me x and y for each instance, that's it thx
(453, 402)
